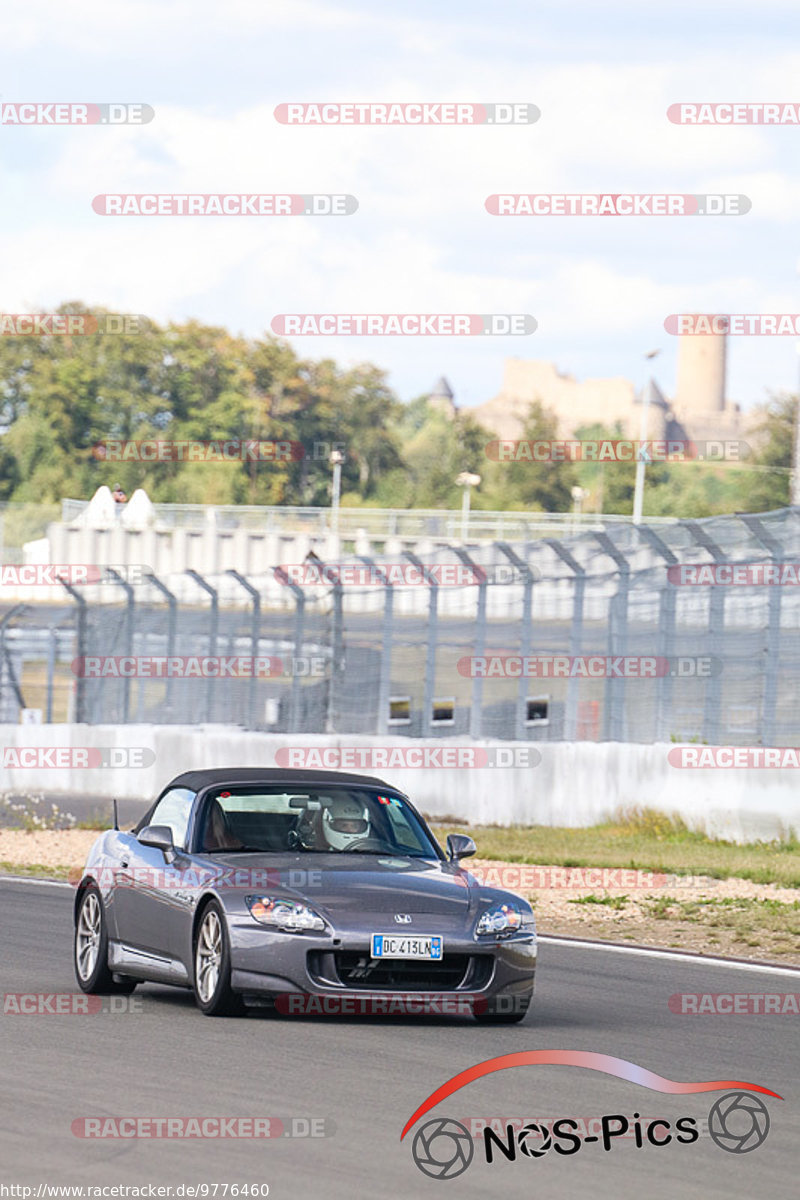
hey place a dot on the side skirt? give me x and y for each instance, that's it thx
(140, 964)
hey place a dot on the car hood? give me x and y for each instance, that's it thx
(357, 882)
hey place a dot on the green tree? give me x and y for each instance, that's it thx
(611, 484)
(772, 435)
(436, 448)
(528, 483)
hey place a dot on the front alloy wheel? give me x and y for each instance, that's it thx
(212, 966)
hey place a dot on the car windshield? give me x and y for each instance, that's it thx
(332, 820)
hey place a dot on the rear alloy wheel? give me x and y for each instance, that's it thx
(91, 949)
(212, 967)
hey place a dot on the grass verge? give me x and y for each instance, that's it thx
(34, 870)
(643, 840)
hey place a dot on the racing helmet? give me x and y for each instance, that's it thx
(345, 821)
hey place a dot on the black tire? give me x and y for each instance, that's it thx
(519, 1013)
(211, 962)
(500, 1018)
(90, 949)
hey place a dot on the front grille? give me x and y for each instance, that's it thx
(355, 969)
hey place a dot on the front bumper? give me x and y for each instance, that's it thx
(267, 965)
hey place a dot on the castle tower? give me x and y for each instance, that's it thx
(442, 397)
(701, 375)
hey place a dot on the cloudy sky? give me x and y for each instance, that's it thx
(602, 75)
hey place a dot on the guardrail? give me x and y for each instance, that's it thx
(378, 524)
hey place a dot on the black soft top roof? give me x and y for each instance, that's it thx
(195, 781)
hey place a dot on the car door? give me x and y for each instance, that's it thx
(149, 902)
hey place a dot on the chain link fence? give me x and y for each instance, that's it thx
(631, 633)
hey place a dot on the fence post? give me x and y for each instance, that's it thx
(337, 654)
(666, 630)
(299, 622)
(5, 657)
(430, 653)
(255, 635)
(80, 646)
(172, 622)
(772, 666)
(575, 635)
(716, 629)
(521, 712)
(476, 708)
(385, 677)
(52, 650)
(614, 706)
(130, 601)
(212, 635)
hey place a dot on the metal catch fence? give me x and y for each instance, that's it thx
(686, 631)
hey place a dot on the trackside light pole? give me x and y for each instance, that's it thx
(794, 490)
(466, 480)
(641, 461)
(336, 460)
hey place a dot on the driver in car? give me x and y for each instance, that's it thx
(344, 823)
(341, 824)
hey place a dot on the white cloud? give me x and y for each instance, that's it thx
(101, 24)
(421, 240)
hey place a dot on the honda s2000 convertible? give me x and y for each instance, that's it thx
(261, 887)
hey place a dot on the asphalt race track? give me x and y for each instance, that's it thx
(366, 1076)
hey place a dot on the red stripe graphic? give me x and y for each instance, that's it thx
(579, 1058)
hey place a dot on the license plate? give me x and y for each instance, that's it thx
(394, 945)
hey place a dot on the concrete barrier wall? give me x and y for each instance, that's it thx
(572, 783)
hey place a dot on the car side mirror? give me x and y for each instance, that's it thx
(160, 837)
(460, 846)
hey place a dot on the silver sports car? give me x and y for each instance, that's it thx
(302, 890)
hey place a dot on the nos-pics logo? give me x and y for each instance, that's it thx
(443, 1148)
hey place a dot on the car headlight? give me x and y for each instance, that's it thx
(284, 914)
(505, 918)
